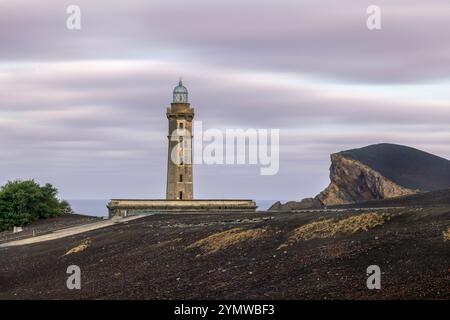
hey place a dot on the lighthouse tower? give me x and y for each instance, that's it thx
(179, 162)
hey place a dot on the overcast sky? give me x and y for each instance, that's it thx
(85, 110)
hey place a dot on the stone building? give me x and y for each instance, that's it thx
(179, 159)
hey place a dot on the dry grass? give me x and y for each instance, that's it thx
(222, 240)
(446, 234)
(81, 247)
(165, 243)
(330, 227)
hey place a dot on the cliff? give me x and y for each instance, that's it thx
(377, 172)
(353, 181)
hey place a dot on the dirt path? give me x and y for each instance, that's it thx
(70, 231)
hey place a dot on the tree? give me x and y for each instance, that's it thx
(22, 202)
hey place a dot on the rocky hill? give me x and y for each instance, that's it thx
(376, 172)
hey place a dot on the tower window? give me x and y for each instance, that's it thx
(181, 178)
(181, 195)
(181, 125)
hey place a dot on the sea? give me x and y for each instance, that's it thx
(97, 207)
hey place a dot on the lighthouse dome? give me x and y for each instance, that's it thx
(180, 93)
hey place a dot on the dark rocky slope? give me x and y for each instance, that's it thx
(405, 166)
(376, 172)
(432, 198)
(242, 256)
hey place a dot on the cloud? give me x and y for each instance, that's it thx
(87, 108)
(313, 37)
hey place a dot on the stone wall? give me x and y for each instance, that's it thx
(127, 207)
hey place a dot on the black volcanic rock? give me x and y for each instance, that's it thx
(158, 257)
(307, 203)
(437, 198)
(406, 166)
(378, 172)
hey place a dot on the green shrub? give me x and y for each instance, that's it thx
(24, 201)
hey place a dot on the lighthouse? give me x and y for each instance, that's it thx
(179, 161)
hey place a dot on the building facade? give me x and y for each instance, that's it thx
(179, 160)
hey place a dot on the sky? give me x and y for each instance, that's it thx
(85, 109)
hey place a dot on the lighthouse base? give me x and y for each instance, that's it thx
(128, 207)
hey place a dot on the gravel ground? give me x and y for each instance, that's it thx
(169, 257)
